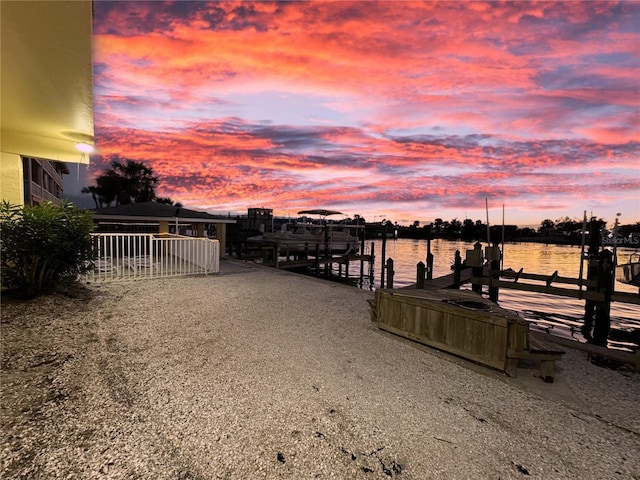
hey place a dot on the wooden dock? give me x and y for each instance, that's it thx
(448, 281)
(311, 261)
(322, 261)
(510, 280)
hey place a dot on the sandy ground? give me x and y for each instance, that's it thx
(257, 373)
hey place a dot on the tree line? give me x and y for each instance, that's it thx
(562, 230)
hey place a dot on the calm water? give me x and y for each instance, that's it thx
(560, 315)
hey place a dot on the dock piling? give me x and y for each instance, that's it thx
(384, 253)
(420, 275)
(390, 273)
(429, 264)
(457, 268)
(606, 278)
(477, 269)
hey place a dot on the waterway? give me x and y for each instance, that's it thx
(560, 316)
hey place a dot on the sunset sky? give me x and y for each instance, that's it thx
(407, 111)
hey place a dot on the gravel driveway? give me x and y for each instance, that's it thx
(262, 374)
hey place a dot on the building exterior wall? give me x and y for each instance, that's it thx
(47, 81)
(31, 181)
(47, 93)
(42, 180)
(11, 185)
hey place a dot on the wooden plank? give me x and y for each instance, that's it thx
(436, 327)
(500, 316)
(409, 313)
(535, 355)
(444, 347)
(544, 278)
(458, 330)
(622, 297)
(413, 320)
(529, 287)
(626, 297)
(468, 337)
(446, 281)
(395, 313)
(474, 338)
(499, 344)
(610, 353)
(312, 261)
(537, 343)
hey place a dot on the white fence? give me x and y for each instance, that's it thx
(124, 256)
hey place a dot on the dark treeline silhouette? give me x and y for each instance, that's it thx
(563, 230)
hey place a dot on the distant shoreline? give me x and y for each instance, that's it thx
(544, 240)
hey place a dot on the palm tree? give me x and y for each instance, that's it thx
(167, 201)
(138, 181)
(125, 182)
(95, 194)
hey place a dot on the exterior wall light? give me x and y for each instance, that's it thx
(84, 147)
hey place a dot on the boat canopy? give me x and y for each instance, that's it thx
(320, 211)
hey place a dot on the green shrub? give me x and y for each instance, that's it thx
(44, 245)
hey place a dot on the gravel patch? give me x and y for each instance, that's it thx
(258, 373)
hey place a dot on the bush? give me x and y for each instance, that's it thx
(44, 245)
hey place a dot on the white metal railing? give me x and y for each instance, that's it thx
(129, 256)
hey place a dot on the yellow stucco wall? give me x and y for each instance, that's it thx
(11, 176)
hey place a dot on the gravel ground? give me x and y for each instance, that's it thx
(257, 373)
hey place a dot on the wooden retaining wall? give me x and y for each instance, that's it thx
(454, 321)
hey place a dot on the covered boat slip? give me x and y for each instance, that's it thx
(297, 237)
(305, 233)
(464, 324)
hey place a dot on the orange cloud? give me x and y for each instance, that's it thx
(360, 103)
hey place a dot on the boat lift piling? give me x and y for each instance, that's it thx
(429, 265)
(384, 253)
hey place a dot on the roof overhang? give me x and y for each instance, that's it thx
(143, 219)
(47, 81)
(321, 212)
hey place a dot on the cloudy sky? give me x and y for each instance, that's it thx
(410, 111)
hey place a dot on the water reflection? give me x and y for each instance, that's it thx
(546, 312)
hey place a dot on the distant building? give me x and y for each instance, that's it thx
(259, 219)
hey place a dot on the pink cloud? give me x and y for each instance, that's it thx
(418, 101)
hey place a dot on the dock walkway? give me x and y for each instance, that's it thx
(447, 281)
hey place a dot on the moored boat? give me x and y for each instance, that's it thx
(305, 233)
